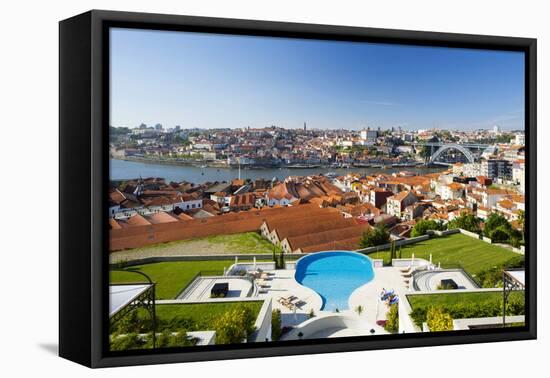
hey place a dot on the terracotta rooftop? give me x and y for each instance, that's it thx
(399, 196)
(321, 237)
(161, 217)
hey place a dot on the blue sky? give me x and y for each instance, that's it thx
(210, 81)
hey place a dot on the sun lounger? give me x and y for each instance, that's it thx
(284, 301)
(406, 270)
(263, 283)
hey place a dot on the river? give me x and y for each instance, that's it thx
(124, 170)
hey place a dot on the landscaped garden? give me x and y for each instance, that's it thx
(466, 305)
(199, 316)
(474, 256)
(244, 243)
(232, 321)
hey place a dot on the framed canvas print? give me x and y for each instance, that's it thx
(235, 188)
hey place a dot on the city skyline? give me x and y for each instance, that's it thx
(176, 78)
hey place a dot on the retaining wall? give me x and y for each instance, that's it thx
(149, 260)
(397, 244)
(263, 323)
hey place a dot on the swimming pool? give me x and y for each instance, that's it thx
(334, 276)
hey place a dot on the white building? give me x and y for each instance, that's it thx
(471, 169)
(519, 140)
(368, 134)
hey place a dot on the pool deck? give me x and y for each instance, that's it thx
(282, 284)
(200, 291)
(368, 295)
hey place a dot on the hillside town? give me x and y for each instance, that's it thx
(303, 147)
(315, 212)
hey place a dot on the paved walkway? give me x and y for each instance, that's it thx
(429, 280)
(281, 283)
(238, 288)
(368, 295)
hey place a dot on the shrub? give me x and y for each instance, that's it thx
(392, 319)
(234, 326)
(276, 324)
(465, 310)
(439, 320)
(375, 236)
(500, 234)
(180, 339)
(133, 322)
(492, 277)
(494, 221)
(126, 342)
(422, 226)
(467, 222)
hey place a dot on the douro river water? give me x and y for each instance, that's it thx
(123, 170)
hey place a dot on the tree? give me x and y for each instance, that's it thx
(501, 234)
(422, 226)
(425, 152)
(374, 236)
(275, 324)
(467, 222)
(494, 221)
(521, 220)
(439, 320)
(498, 229)
(234, 326)
(393, 252)
(359, 310)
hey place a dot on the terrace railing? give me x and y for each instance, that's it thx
(194, 282)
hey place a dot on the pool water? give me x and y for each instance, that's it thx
(334, 276)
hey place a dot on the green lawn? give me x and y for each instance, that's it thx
(173, 276)
(201, 316)
(454, 250)
(246, 243)
(170, 277)
(466, 305)
(449, 299)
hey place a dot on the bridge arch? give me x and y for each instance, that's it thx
(466, 152)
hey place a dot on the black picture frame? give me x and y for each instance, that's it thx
(84, 167)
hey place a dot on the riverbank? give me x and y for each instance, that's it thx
(220, 165)
(125, 170)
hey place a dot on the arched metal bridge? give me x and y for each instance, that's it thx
(465, 149)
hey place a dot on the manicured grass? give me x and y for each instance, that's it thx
(449, 299)
(455, 250)
(200, 316)
(170, 277)
(245, 243)
(466, 305)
